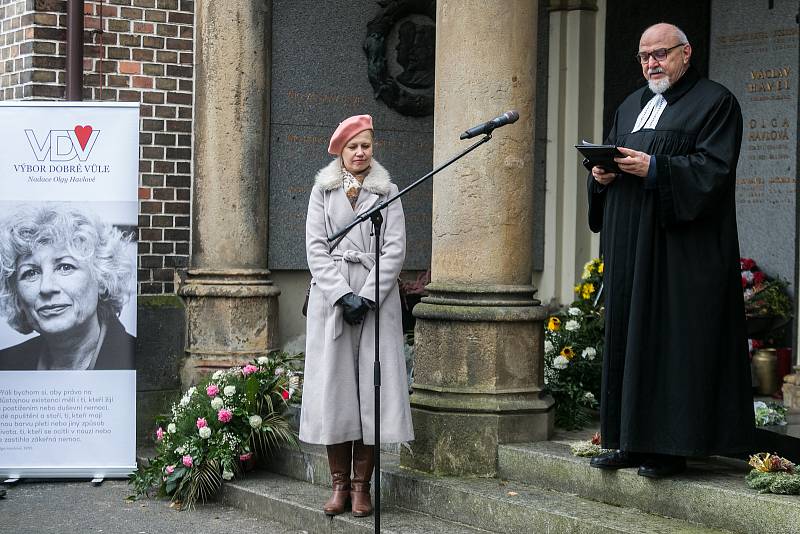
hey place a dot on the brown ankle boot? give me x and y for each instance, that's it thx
(339, 456)
(363, 464)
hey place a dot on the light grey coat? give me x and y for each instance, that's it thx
(338, 391)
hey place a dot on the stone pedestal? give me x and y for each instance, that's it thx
(231, 304)
(479, 336)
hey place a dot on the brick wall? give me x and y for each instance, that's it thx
(144, 53)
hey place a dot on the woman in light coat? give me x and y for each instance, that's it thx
(338, 399)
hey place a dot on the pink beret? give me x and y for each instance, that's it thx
(347, 129)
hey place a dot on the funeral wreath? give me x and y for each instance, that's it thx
(226, 421)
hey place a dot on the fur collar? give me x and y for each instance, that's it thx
(377, 181)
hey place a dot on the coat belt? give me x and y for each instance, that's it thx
(367, 260)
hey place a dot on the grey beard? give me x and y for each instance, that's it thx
(659, 86)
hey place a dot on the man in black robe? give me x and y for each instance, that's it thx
(676, 378)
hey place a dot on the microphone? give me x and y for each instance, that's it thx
(506, 118)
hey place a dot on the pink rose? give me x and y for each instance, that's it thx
(170, 469)
(212, 390)
(201, 422)
(246, 456)
(187, 461)
(159, 433)
(249, 369)
(224, 415)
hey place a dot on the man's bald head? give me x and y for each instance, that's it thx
(668, 42)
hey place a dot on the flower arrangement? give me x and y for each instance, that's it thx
(573, 351)
(772, 474)
(226, 420)
(769, 413)
(766, 300)
(588, 448)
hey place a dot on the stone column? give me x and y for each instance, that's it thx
(574, 112)
(479, 336)
(231, 303)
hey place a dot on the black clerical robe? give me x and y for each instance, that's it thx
(676, 376)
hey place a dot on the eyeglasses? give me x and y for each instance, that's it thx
(658, 55)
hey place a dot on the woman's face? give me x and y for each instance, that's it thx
(357, 153)
(57, 291)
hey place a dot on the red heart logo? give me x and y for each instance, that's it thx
(83, 133)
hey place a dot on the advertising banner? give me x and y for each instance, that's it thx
(68, 217)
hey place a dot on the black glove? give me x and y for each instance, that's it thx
(354, 308)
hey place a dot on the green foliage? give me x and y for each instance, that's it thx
(769, 413)
(221, 422)
(573, 351)
(781, 483)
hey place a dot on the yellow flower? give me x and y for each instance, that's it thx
(567, 352)
(587, 290)
(600, 268)
(577, 289)
(554, 324)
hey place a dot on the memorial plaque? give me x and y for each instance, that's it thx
(754, 54)
(319, 77)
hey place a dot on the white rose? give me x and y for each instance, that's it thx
(262, 360)
(589, 396)
(171, 428)
(217, 374)
(560, 362)
(227, 475)
(255, 421)
(204, 432)
(548, 346)
(575, 312)
(217, 403)
(229, 391)
(589, 353)
(572, 325)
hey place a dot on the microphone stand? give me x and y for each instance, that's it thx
(374, 214)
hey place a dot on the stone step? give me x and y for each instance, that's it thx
(489, 504)
(711, 492)
(298, 505)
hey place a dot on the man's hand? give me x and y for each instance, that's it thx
(601, 176)
(634, 162)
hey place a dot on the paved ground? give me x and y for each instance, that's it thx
(78, 507)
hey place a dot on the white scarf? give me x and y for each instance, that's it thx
(648, 118)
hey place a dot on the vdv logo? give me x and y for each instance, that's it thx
(64, 145)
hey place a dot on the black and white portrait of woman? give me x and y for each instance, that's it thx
(65, 274)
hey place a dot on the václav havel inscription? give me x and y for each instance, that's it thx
(754, 50)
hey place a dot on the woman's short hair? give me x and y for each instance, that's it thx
(85, 236)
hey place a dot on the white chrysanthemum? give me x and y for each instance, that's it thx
(171, 428)
(588, 396)
(589, 353)
(262, 360)
(548, 346)
(229, 391)
(217, 374)
(204, 432)
(572, 325)
(227, 475)
(255, 421)
(294, 382)
(217, 403)
(575, 312)
(181, 450)
(560, 362)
